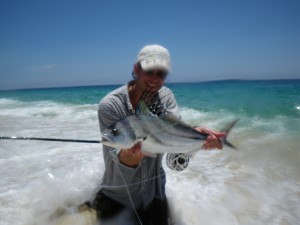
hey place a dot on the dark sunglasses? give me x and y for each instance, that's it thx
(158, 73)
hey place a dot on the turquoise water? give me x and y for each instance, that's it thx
(262, 98)
(267, 99)
(68, 95)
(257, 184)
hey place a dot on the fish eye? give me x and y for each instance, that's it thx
(114, 132)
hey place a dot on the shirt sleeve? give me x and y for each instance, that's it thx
(106, 117)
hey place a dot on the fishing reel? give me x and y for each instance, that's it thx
(177, 161)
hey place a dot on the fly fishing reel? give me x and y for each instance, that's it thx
(177, 161)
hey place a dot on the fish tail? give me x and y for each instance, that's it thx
(227, 130)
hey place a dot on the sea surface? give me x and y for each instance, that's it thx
(257, 184)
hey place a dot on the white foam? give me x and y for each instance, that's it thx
(49, 109)
(258, 184)
(6, 101)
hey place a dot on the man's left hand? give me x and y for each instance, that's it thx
(213, 139)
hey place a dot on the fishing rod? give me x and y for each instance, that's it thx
(178, 161)
(49, 139)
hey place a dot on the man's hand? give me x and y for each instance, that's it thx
(132, 156)
(213, 138)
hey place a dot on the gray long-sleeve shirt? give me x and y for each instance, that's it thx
(143, 181)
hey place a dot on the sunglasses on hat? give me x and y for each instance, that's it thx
(161, 74)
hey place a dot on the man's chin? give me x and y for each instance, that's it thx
(152, 88)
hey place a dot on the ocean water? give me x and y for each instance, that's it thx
(257, 184)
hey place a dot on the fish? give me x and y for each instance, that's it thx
(158, 134)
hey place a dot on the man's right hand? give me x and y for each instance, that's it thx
(132, 156)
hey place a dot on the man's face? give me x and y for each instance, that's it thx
(151, 80)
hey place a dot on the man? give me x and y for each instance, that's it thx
(133, 184)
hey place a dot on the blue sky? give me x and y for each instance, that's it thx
(46, 43)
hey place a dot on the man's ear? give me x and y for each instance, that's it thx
(136, 69)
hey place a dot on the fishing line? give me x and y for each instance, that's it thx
(127, 189)
(26, 160)
(137, 183)
(17, 154)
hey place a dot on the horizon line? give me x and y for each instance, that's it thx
(175, 82)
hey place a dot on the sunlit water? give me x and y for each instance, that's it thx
(257, 184)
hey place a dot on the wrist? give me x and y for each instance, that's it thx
(127, 160)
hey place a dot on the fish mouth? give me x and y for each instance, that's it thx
(105, 140)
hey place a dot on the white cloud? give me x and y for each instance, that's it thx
(44, 67)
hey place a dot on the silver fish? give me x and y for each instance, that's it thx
(165, 134)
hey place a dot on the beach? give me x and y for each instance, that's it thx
(257, 184)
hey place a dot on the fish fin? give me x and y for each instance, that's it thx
(151, 103)
(142, 108)
(171, 118)
(147, 98)
(227, 130)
